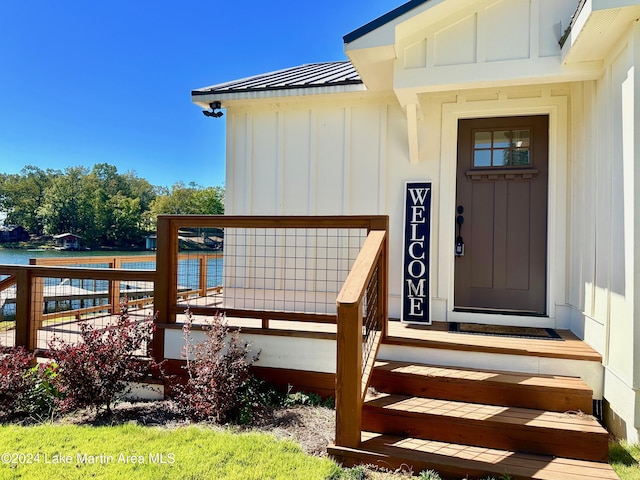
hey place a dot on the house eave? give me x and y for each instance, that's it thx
(595, 27)
(204, 98)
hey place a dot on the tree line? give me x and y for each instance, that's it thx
(104, 207)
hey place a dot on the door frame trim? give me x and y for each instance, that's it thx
(557, 109)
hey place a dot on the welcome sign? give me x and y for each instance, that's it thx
(416, 281)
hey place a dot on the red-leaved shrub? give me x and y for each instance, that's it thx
(218, 369)
(98, 370)
(15, 383)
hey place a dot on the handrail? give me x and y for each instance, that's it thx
(354, 286)
(81, 272)
(89, 260)
(353, 372)
(8, 282)
(370, 222)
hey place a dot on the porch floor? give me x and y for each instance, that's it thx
(437, 335)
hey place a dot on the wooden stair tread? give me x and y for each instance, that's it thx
(511, 428)
(487, 376)
(460, 460)
(536, 391)
(516, 416)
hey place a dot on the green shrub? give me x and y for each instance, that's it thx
(310, 399)
(429, 475)
(42, 398)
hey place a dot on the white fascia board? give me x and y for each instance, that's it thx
(596, 28)
(492, 74)
(385, 35)
(205, 100)
(607, 4)
(381, 37)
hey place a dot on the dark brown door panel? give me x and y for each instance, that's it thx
(502, 182)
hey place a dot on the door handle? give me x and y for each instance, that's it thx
(459, 240)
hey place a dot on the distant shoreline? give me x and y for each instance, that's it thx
(48, 246)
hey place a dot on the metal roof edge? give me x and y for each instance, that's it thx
(382, 20)
(261, 75)
(276, 93)
(200, 92)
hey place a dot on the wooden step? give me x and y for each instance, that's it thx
(460, 461)
(510, 428)
(543, 392)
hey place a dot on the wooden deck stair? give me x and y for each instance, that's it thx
(472, 422)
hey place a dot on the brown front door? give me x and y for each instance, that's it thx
(502, 194)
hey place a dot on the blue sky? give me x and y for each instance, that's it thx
(92, 81)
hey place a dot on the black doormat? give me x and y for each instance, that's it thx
(504, 331)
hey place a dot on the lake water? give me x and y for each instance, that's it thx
(187, 269)
(22, 256)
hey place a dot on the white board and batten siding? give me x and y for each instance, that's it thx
(446, 60)
(324, 159)
(605, 205)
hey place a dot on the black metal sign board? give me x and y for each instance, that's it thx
(416, 278)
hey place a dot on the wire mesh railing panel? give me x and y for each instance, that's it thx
(134, 263)
(60, 304)
(370, 321)
(7, 314)
(287, 269)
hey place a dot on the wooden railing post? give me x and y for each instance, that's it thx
(204, 261)
(349, 375)
(114, 289)
(351, 379)
(37, 303)
(23, 306)
(166, 283)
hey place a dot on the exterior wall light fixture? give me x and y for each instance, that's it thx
(213, 113)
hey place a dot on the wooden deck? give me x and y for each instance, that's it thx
(438, 336)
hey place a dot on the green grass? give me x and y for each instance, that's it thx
(7, 325)
(136, 452)
(624, 459)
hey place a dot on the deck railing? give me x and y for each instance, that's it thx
(362, 320)
(282, 269)
(33, 289)
(314, 271)
(66, 290)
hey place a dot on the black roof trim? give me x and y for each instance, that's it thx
(572, 22)
(380, 21)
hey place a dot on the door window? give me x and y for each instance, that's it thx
(501, 148)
